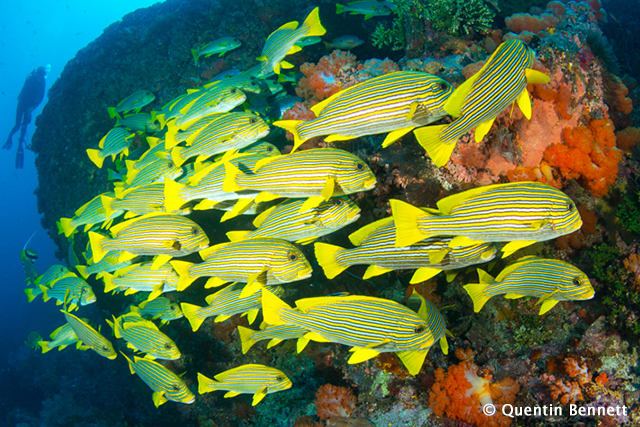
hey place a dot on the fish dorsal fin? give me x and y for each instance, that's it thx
(359, 235)
(259, 220)
(288, 26)
(226, 374)
(320, 106)
(510, 269)
(445, 205)
(265, 161)
(511, 247)
(306, 304)
(524, 102)
(205, 253)
(482, 129)
(119, 227)
(436, 257)
(361, 354)
(454, 104)
(424, 273)
(412, 360)
(534, 76)
(547, 305)
(235, 236)
(485, 277)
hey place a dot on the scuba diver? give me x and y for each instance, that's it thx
(30, 97)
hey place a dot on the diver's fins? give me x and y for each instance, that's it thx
(20, 156)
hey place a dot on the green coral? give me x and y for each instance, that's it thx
(386, 35)
(629, 213)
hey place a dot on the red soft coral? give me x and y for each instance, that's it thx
(334, 401)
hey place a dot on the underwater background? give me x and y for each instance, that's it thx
(581, 138)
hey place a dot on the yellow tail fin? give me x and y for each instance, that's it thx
(44, 345)
(271, 306)
(94, 156)
(313, 21)
(67, 228)
(172, 199)
(245, 338)
(190, 311)
(405, 217)
(476, 292)
(96, 245)
(291, 126)
(326, 256)
(429, 138)
(205, 385)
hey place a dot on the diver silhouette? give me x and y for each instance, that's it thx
(30, 97)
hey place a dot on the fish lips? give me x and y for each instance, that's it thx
(370, 184)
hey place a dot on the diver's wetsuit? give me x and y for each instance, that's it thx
(30, 97)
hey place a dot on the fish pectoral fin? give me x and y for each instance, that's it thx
(412, 110)
(546, 297)
(412, 360)
(329, 188)
(310, 203)
(524, 102)
(158, 398)
(534, 76)
(483, 128)
(314, 336)
(260, 394)
(436, 257)
(294, 49)
(512, 295)
(424, 273)
(396, 135)
(360, 354)
(286, 65)
(231, 394)
(374, 270)
(547, 305)
(511, 247)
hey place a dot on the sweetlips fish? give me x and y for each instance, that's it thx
(275, 335)
(217, 99)
(219, 46)
(141, 122)
(165, 384)
(229, 131)
(60, 339)
(156, 145)
(144, 336)
(224, 304)
(116, 141)
(376, 248)
(256, 262)
(175, 136)
(139, 201)
(396, 103)
(318, 174)
(521, 213)
(89, 214)
(369, 325)
(156, 233)
(282, 42)
(142, 277)
(72, 291)
(243, 82)
(173, 108)
(135, 101)
(207, 182)
(90, 337)
(53, 273)
(344, 42)
(365, 7)
(550, 280)
(285, 221)
(477, 102)
(108, 264)
(258, 380)
(155, 172)
(160, 308)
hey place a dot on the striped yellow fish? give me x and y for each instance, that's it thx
(256, 262)
(47, 279)
(143, 277)
(378, 251)
(141, 122)
(318, 174)
(165, 384)
(71, 291)
(160, 308)
(160, 234)
(282, 42)
(217, 99)
(229, 131)
(156, 171)
(174, 136)
(60, 339)
(108, 264)
(285, 221)
(135, 101)
(521, 213)
(219, 46)
(477, 102)
(369, 325)
(145, 336)
(275, 335)
(88, 214)
(550, 280)
(172, 109)
(207, 182)
(156, 145)
(139, 201)
(224, 304)
(90, 337)
(396, 103)
(258, 380)
(116, 141)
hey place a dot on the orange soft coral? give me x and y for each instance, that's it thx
(519, 22)
(460, 393)
(576, 370)
(588, 154)
(334, 401)
(568, 392)
(627, 138)
(327, 77)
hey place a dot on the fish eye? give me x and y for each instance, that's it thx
(233, 90)
(176, 387)
(194, 231)
(338, 202)
(293, 257)
(419, 329)
(443, 86)
(360, 166)
(252, 121)
(279, 378)
(570, 207)
(576, 282)
(104, 347)
(167, 346)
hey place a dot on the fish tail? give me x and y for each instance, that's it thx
(182, 268)
(172, 199)
(44, 290)
(177, 156)
(82, 269)
(476, 292)
(231, 174)
(271, 307)
(113, 113)
(205, 384)
(106, 204)
(30, 295)
(96, 241)
(429, 138)
(170, 137)
(194, 52)
(406, 219)
(326, 256)
(108, 282)
(44, 345)
(190, 311)
(94, 156)
(327, 44)
(339, 8)
(292, 126)
(246, 338)
(66, 227)
(313, 21)
(235, 236)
